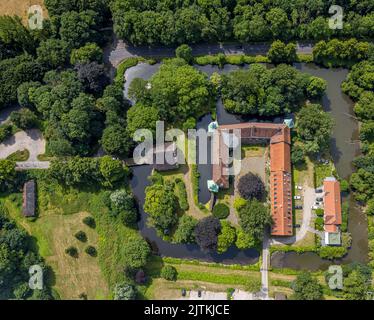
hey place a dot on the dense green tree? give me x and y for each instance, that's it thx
(90, 52)
(254, 217)
(24, 119)
(136, 253)
(53, 53)
(364, 108)
(314, 128)
(116, 141)
(316, 87)
(297, 155)
(184, 232)
(250, 186)
(112, 171)
(7, 173)
(93, 77)
(78, 28)
(169, 273)
(226, 238)
(141, 117)
(161, 205)
(307, 288)
(206, 233)
(362, 182)
(123, 205)
(124, 291)
(282, 53)
(15, 36)
(184, 52)
(23, 93)
(179, 91)
(15, 71)
(243, 240)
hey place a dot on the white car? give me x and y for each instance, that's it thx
(299, 187)
(314, 207)
(297, 197)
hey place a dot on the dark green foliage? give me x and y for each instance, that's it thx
(15, 71)
(141, 117)
(307, 288)
(123, 205)
(319, 223)
(161, 205)
(7, 174)
(81, 236)
(72, 251)
(221, 211)
(88, 53)
(89, 221)
(254, 218)
(16, 257)
(91, 251)
(178, 91)
(314, 128)
(181, 193)
(339, 53)
(169, 273)
(124, 291)
(282, 53)
(24, 119)
(53, 53)
(136, 253)
(259, 91)
(115, 140)
(206, 233)
(184, 52)
(297, 155)
(87, 171)
(173, 23)
(184, 232)
(5, 131)
(250, 187)
(93, 77)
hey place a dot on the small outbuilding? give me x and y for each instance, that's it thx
(29, 199)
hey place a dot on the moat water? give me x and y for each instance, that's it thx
(344, 148)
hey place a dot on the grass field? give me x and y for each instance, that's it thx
(53, 233)
(19, 7)
(197, 275)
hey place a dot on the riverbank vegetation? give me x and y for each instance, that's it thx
(164, 23)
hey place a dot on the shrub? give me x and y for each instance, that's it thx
(72, 251)
(320, 212)
(185, 230)
(89, 221)
(81, 236)
(124, 291)
(251, 186)
(344, 186)
(243, 240)
(90, 250)
(319, 223)
(206, 233)
(221, 211)
(5, 132)
(182, 195)
(184, 52)
(169, 273)
(226, 238)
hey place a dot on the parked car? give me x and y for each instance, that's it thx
(297, 226)
(199, 293)
(184, 292)
(299, 187)
(299, 207)
(319, 190)
(315, 207)
(297, 197)
(319, 199)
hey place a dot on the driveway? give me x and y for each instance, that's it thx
(308, 199)
(31, 140)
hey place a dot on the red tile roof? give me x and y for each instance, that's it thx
(279, 136)
(333, 209)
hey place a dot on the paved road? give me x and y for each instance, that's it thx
(264, 294)
(31, 140)
(119, 50)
